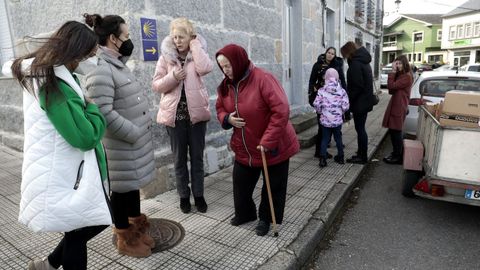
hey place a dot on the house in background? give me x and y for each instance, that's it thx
(461, 34)
(418, 36)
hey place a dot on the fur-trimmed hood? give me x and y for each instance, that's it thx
(169, 51)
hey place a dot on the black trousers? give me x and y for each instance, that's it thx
(359, 120)
(125, 205)
(71, 252)
(188, 140)
(245, 179)
(397, 142)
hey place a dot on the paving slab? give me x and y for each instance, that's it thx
(314, 197)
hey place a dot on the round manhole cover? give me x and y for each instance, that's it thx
(166, 233)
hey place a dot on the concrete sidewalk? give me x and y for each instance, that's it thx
(314, 197)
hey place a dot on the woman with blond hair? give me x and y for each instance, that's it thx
(184, 106)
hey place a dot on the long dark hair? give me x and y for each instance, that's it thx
(405, 65)
(72, 42)
(104, 26)
(331, 48)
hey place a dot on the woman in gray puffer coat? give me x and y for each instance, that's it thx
(128, 139)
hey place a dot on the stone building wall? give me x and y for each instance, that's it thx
(258, 25)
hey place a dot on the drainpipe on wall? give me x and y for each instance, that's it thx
(324, 21)
(342, 23)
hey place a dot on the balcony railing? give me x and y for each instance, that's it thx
(390, 44)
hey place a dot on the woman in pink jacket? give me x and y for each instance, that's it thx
(184, 107)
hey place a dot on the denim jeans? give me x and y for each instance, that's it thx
(337, 136)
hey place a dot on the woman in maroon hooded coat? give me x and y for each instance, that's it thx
(399, 86)
(253, 102)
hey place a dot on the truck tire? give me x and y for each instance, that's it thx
(410, 178)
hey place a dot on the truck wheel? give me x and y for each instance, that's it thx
(410, 178)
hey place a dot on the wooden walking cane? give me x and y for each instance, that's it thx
(269, 192)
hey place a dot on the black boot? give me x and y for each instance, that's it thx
(185, 205)
(339, 159)
(393, 159)
(201, 204)
(262, 227)
(323, 162)
(357, 160)
(236, 221)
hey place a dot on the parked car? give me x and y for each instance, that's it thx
(445, 68)
(430, 87)
(423, 67)
(470, 67)
(384, 75)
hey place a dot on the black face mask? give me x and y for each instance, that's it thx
(126, 48)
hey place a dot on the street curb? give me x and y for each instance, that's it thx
(299, 251)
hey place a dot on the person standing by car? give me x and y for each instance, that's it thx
(128, 139)
(324, 62)
(253, 103)
(360, 94)
(184, 106)
(399, 86)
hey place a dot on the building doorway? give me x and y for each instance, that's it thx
(461, 58)
(292, 52)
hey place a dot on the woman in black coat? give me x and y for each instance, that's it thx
(324, 62)
(360, 94)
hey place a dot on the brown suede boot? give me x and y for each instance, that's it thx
(129, 243)
(142, 225)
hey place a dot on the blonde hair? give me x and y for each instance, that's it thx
(184, 25)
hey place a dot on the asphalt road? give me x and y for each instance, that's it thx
(380, 229)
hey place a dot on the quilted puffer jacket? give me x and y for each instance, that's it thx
(197, 64)
(49, 163)
(128, 139)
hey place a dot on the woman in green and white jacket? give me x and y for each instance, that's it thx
(62, 148)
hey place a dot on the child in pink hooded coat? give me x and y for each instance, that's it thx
(331, 103)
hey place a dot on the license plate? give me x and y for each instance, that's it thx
(472, 194)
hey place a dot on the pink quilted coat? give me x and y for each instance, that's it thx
(197, 64)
